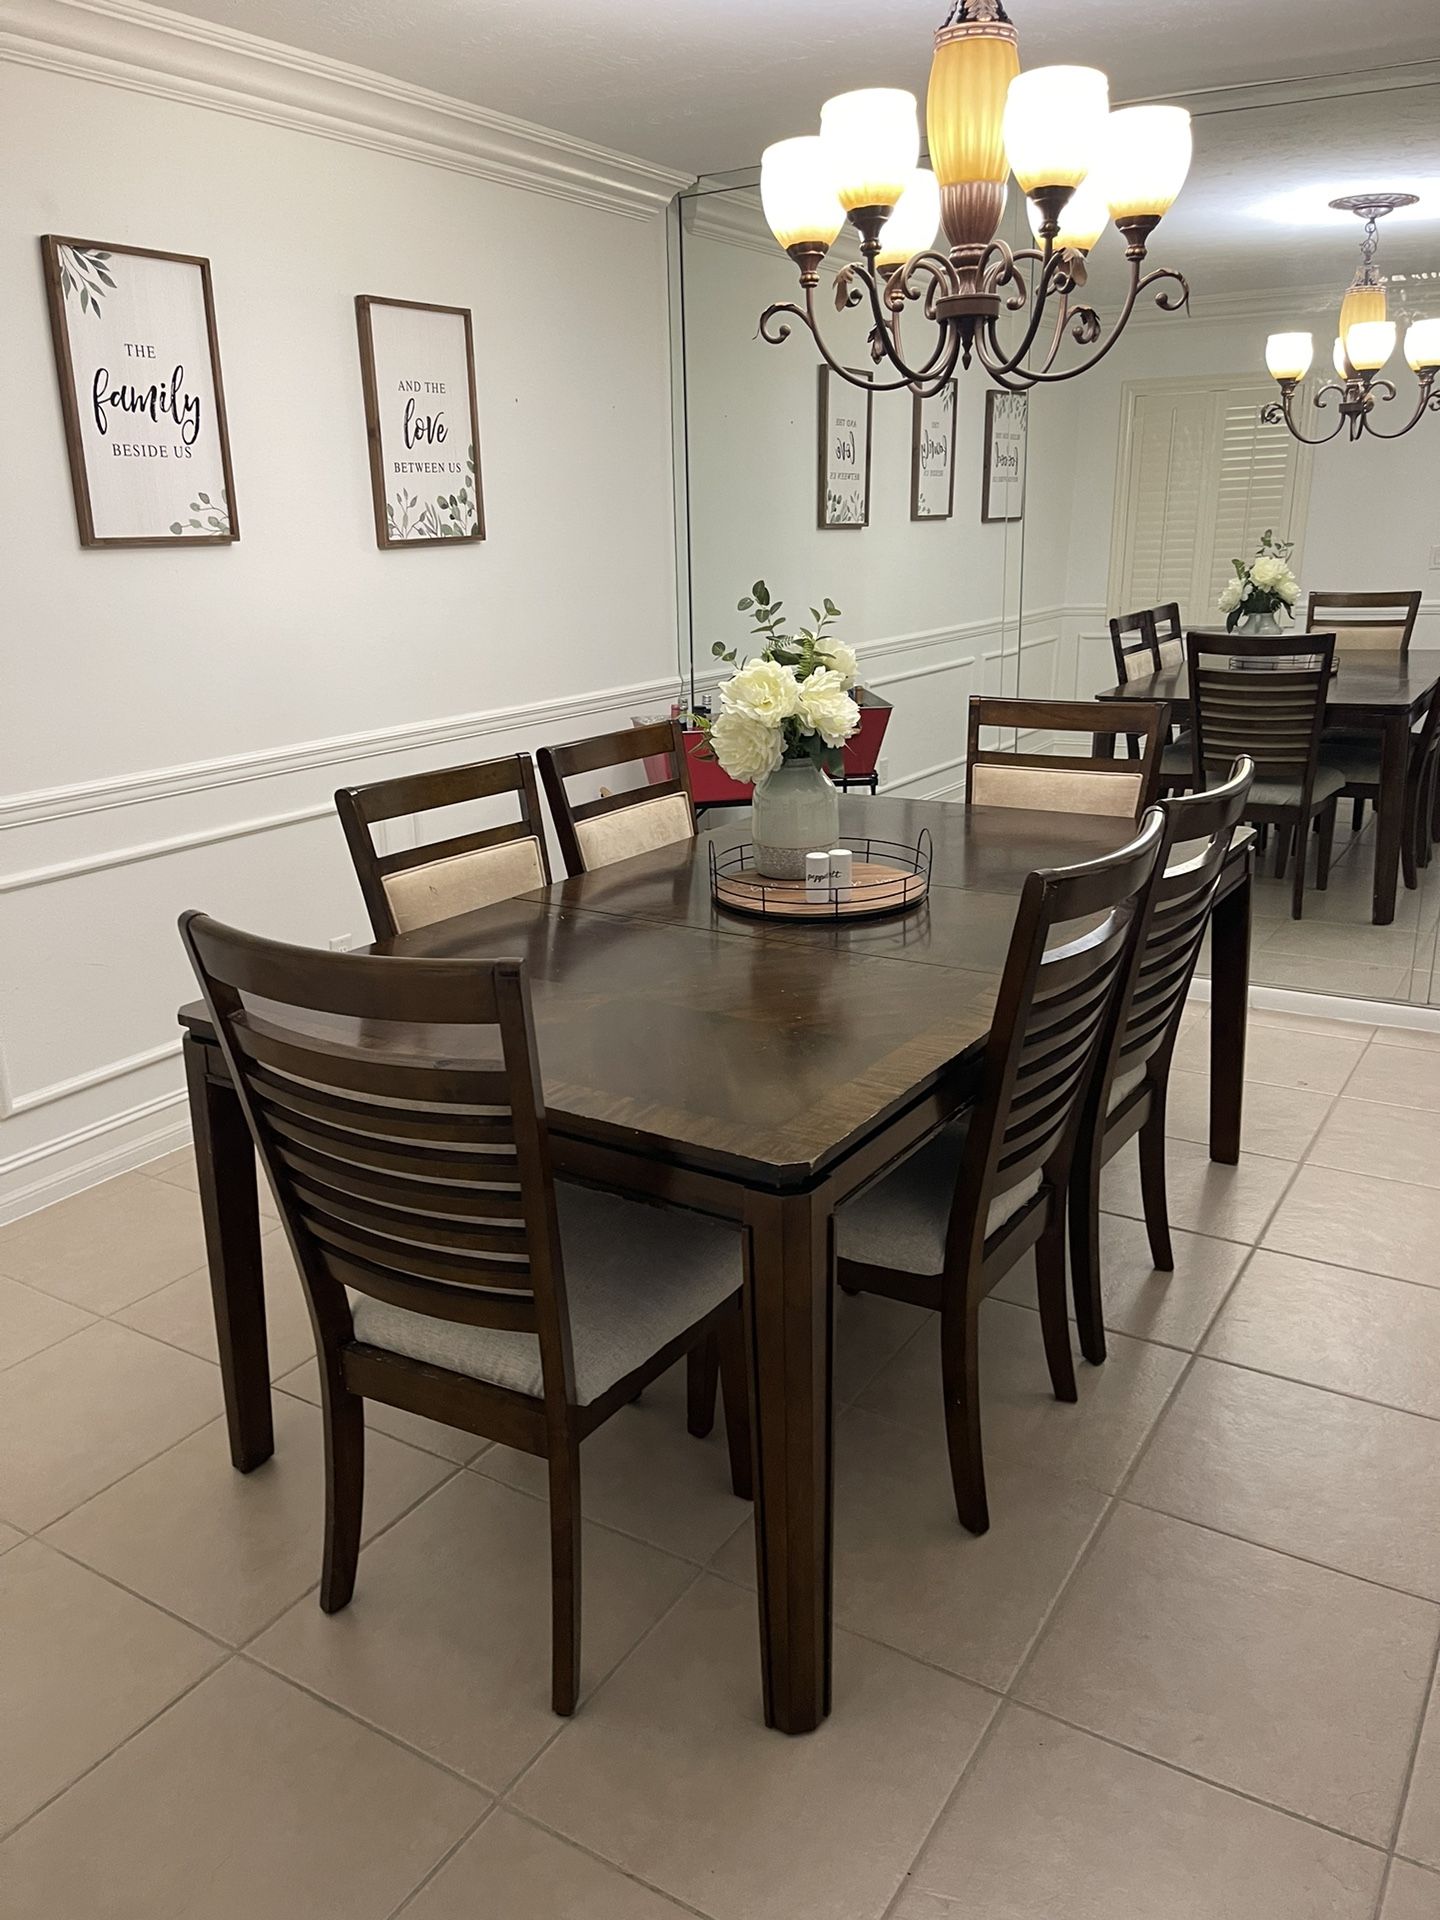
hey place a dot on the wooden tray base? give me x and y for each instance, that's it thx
(876, 888)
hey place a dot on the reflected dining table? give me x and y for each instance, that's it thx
(757, 1072)
(1381, 694)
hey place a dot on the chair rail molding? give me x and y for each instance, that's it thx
(147, 49)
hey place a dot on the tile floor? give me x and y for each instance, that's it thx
(1189, 1675)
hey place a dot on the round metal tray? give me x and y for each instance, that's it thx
(887, 876)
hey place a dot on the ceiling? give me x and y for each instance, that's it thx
(703, 85)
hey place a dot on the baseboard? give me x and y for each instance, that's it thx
(1332, 1006)
(58, 1168)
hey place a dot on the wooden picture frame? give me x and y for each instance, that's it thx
(843, 500)
(1007, 421)
(426, 492)
(932, 453)
(139, 343)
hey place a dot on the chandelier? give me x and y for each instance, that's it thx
(1362, 347)
(1079, 164)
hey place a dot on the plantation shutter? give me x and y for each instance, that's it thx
(1255, 483)
(1165, 481)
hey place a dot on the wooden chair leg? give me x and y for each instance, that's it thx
(1153, 1195)
(702, 1375)
(1085, 1251)
(1413, 829)
(1357, 815)
(1282, 848)
(1326, 846)
(735, 1387)
(1297, 883)
(564, 1465)
(960, 1379)
(1054, 1298)
(344, 1417)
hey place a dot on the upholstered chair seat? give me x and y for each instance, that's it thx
(901, 1221)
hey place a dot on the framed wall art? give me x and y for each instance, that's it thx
(932, 455)
(845, 415)
(1006, 423)
(138, 362)
(417, 365)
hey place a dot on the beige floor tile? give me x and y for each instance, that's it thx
(1093, 1442)
(430, 1435)
(517, 1872)
(1229, 1203)
(108, 1246)
(1283, 1057)
(1306, 1472)
(1173, 1308)
(1351, 979)
(1280, 1017)
(183, 1314)
(1394, 1143)
(1353, 1332)
(1358, 1220)
(229, 1550)
(9, 1538)
(82, 1665)
(246, 1798)
(1346, 942)
(89, 1410)
(672, 1775)
(1400, 1076)
(907, 1572)
(644, 1474)
(30, 1321)
(447, 1641)
(1413, 1894)
(1280, 1122)
(1292, 1683)
(868, 1332)
(1129, 1839)
(178, 1170)
(1420, 1829)
(1421, 1039)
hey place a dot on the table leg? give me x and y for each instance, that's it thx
(1229, 1010)
(229, 1206)
(788, 1299)
(1390, 814)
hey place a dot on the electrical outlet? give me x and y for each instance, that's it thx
(1434, 559)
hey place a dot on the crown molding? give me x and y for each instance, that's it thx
(735, 219)
(172, 56)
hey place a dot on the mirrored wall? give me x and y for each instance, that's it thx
(994, 563)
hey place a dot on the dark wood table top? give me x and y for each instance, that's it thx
(730, 1045)
(1364, 683)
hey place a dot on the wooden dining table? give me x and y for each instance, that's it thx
(1381, 694)
(757, 1072)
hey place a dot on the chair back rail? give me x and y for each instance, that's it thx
(1168, 632)
(1272, 714)
(628, 747)
(1376, 622)
(1064, 783)
(1132, 642)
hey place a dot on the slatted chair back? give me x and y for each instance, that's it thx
(1168, 632)
(419, 885)
(1060, 783)
(1132, 641)
(1365, 622)
(1068, 956)
(396, 1108)
(595, 833)
(1272, 710)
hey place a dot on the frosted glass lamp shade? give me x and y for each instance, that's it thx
(1083, 218)
(1337, 354)
(1370, 344)
(1288, 355)
(1361, 303)
(797, 191)
(913, 225)
(873, 140)
(1145, 160)
(1054, 124)
(1422, 344)
(969, 79)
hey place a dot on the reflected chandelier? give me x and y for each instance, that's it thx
(1364, 343)
(1079, 164)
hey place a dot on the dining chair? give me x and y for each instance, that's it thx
(1257, 696)
(1358, 760)
(1370, 622)
(1169, 634)
(1139, 650)
(1127, 1095)
(454, 874)
(596, 832)
(396, 1107)
(1064, 783)
(942, 1228)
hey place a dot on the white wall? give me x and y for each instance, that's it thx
(174, 721)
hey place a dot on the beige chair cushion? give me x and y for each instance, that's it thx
(1377, 639)
(419, 896)
(1172, 654)
(635, 1278)
(631, 830)
(1065, 790)
(1123, 1085)
(901, 1222)
(1139, 665)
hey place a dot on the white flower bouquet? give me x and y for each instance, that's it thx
(789, 703)
(1264, 589)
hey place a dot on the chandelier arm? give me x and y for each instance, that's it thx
(1279, 411)
(774, 332)
(1138, 285)
(1054, 278)
(1428, 401)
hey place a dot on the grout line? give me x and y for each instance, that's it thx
(1382, 1891)
(615, 1866)
(987, 1734)
(1430, 1693)
(446, 1857)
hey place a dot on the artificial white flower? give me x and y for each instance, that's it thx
(762, 691)
(840, 658)
(1230, 595)
(746, 748)
(1289, 590)
(1268, 573)
(826, 708)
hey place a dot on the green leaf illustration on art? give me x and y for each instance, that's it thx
(207, 516)
(85, 276)
(449, 516)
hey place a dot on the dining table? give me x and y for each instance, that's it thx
(755, 1071)
(1381, 694)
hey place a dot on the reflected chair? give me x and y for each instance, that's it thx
(1258, 697)
(456, 874)
(1064, 783)
(1143, 644)
(596, 832)
(1358, 759)
(1169, 635)
(1127, 1096)
(396, 1107)
(1365, 622)
(942, 1228)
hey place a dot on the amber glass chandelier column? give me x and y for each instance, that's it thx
(977, 55)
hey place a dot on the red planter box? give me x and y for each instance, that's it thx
(711, 786)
